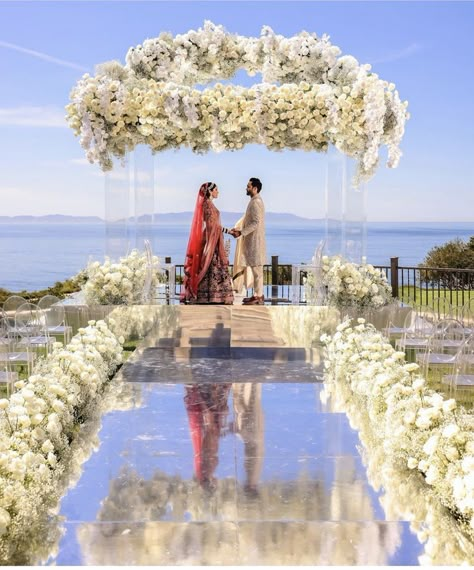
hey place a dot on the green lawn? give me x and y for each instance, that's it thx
(416, 296)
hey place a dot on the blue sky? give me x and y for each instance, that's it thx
(425, 48)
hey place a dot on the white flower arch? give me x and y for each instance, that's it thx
(309, 98)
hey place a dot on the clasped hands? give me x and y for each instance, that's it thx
(235, 233)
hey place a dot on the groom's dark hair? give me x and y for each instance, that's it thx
(256, 184)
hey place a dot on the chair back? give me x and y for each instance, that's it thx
(10, 307)
(443, 308)
(447, 337)
(30, 320)
(467, 313)
(47, 301)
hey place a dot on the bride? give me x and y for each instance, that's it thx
(206, 274)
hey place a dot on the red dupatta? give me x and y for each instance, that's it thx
(201, 246)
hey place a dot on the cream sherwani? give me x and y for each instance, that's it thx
(253, 241)
(253, 233)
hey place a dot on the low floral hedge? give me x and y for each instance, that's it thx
(415, 428)
(40, 423)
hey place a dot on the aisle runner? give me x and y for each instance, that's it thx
(223, 454)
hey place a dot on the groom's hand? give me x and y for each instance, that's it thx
(234, 233)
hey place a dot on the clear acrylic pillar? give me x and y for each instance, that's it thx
(335, 181)
(346, 209)
(354, 223)
(117, 209)
(144, 196)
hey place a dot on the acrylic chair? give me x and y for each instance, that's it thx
(414, 333)
(30, 324)
(467, 315)
(11, 358)
(442, 347)
(461, 374)
(55, 315)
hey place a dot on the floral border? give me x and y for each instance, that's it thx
(414, 427)
(40, 423)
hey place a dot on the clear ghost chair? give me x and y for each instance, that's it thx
(400, 319)
(30, 323)
(414, 335)
(467, 315)
(9, 357)
(442, 347)
(427, 319)
(55, 317)
(461, 374)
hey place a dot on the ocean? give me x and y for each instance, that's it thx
(36, 255)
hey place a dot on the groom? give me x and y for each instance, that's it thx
(253, 240)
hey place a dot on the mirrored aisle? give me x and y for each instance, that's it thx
(220, 452)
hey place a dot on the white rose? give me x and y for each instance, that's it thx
(412, 463)
(450, 431)
(52, 459)
(47, 446)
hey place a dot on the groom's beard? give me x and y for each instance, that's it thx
(249, 192)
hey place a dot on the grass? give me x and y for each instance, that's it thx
(427, 296)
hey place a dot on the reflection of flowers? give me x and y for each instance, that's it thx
(119, 283)
(138, 321)
(165, 501)
(39, 425)
(352, 285)
(321, 99)
(303, 326)
(408, 425)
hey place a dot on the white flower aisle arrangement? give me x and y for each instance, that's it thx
(359, 286)
(40, 422)
(120, 283)
(311, 97)
(414, 427)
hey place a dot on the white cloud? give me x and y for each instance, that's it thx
(399, 54)
(33, 117)
(43, 56)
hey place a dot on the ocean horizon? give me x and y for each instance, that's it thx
(36, 255)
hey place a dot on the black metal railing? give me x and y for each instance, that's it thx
(413, 285)
(425, 285)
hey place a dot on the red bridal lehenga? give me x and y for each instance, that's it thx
(206, 267)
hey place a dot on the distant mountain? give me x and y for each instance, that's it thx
(228, 219)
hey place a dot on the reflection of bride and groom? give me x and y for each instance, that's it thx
(207, 409)
(206, 267)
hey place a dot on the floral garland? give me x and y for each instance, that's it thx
(39, 424)
(119, 283)
(412, 425)
(321, 99)
(353, 285)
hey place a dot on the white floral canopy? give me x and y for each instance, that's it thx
(310, 97)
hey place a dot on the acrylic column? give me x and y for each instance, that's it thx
(346, 209)
(144, 196)
(129, 203)
(117, 209)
